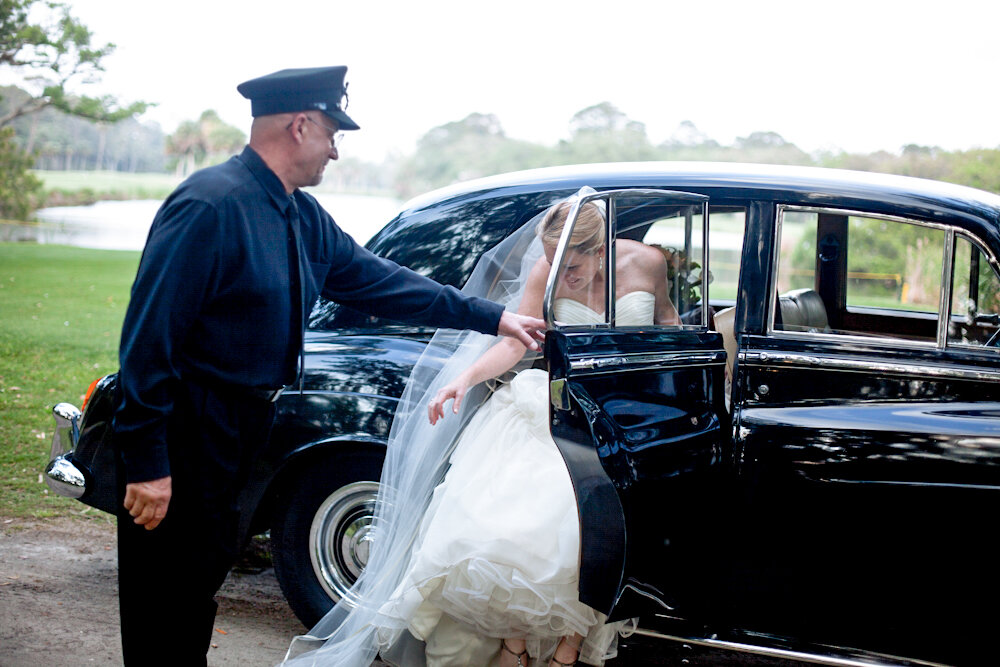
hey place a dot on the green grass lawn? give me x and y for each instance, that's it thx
(61, 311)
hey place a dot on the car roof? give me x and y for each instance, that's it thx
(810, 186)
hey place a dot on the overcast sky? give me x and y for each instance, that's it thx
(858, 76)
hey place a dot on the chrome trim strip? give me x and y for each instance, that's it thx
(865, 214)
(864, 365)
(548, 314)
(647, 361)
(944, 301)
(774, 260)
(877, 660)
(918, 484)
(705, 266)
(611, 256)
(853, 338)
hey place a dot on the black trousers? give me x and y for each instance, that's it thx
(168, 576)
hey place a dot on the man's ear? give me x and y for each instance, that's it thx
(296, 127)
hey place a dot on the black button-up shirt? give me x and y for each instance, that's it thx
(216, 296)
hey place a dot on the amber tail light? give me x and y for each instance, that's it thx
(90, 391)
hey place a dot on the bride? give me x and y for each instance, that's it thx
(476, 552)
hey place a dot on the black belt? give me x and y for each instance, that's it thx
(259, 393)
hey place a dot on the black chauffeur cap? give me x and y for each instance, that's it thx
(302, 89)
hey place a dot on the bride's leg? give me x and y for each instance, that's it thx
(567, 651)
(513, 653)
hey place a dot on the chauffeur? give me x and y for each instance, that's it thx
(234, 259)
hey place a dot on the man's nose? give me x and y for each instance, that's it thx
(333, 153)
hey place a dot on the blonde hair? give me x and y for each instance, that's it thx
(588, 233)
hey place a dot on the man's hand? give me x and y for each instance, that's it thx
(523, 328)
(148, 501)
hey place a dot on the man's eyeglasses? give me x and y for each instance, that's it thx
(335, 136)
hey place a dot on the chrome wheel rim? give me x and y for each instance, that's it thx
(340, 537)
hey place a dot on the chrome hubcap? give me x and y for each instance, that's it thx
(340, 537)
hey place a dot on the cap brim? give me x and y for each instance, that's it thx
(344, 122)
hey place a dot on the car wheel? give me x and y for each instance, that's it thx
(321, 533)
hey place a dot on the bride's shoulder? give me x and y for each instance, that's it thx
(644, 257)
(537, 277)
(540, 270)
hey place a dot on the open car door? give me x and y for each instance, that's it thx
(637, 409)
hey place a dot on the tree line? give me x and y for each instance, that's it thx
(472, 147)
(43, 125)
(477, 146)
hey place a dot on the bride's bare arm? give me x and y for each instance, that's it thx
(498, 359)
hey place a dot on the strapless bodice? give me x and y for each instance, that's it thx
(635, 309)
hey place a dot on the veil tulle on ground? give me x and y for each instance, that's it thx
(416, 461)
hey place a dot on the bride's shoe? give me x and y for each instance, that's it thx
(574, 649)
(522, 654)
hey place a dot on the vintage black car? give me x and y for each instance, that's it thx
(807, 468)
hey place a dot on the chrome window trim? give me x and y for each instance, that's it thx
(877, 659)
(705, 268)
(866, 365)
(852, 338)
(946, 273)
(975, 242)
(611, 240)
(548, 314)
(991, 258)
(615, 363)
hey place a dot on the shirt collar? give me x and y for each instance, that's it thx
(267, 178)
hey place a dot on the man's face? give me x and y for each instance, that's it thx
(321, 143)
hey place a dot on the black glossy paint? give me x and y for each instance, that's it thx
(655, 440)
(848, 509)
(895, 478)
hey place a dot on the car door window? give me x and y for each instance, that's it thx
(975, 297)
(658, 248)
(844, 273)
(677, 232)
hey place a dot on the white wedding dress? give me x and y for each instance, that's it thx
(498, 550)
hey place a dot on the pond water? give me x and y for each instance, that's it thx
(123, 225)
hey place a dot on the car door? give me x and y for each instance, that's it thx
(869, 439)
(638, 411)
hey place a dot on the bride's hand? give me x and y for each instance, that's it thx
(453, 391)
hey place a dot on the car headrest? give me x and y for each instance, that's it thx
(803, 310)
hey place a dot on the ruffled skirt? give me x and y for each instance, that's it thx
(498, 551)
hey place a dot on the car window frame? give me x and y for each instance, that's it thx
(947, 268)
(977, 243)
(610, 198)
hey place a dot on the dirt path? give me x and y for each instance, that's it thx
(59, 601)
(59, 607)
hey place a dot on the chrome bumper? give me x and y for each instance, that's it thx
(61, 474)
